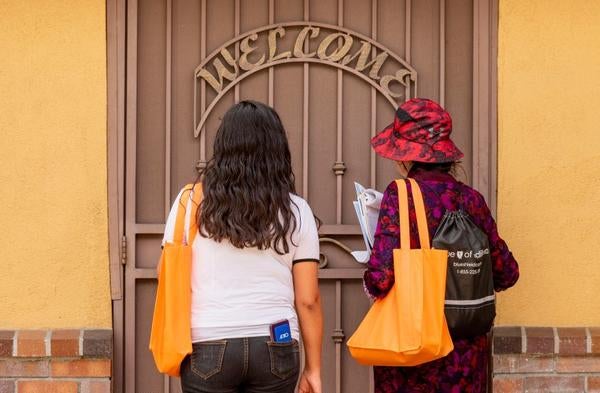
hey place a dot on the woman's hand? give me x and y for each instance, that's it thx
(310, 382)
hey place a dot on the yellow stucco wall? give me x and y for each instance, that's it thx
(53, 204)
(549, 159)
(53, 210)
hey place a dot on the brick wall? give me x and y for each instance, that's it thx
(531, 359)
(544, 359)
(59, 361)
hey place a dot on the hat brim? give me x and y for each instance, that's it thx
(393, 147)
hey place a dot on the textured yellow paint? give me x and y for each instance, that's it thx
(53, 162)
(549, 159)
(53, 200)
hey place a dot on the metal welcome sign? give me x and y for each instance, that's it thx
(331, 45)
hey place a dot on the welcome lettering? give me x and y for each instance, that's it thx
(332, 48)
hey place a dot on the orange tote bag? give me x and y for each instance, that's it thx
(408, 326)
(170, 339)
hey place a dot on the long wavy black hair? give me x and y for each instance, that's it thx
(248, 181)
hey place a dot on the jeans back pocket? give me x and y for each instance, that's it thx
(285, 358)
(207, 358)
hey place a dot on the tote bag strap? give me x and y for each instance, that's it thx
(404, 215)
(421, 215)
(185, 223)
(191, 222)
(178, 233)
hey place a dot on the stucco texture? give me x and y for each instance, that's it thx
(53, 203)
(549, 159)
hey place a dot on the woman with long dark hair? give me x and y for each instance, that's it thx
(254, 265)
(419, 141)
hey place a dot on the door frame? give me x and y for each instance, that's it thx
(115, 96)
(485, 142)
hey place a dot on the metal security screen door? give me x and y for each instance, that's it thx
(334, 70)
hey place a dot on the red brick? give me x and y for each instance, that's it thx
(540, 340)
(509, 364)
(507, 384)
(507, 339)
(593, 384)
(65, 343)
(555, 384)
(98, 386)
(23, 368)
(595, 336)
(6, 343)
(98, 343)
(81, 368)
(47, 386)
(7, 386)
(578, 364)
(31, 343)
(572, 341)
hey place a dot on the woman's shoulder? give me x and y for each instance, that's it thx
(297, 199)
(392, 188)
(469, 192)
(305, 218)
(473, 201)
(300, 205)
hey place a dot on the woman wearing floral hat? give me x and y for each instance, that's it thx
(419, 141)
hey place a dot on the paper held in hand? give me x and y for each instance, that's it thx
(367, 204)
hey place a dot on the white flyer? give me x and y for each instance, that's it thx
(367, 204)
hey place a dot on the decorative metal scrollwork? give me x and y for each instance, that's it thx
(323, 261)
(339, 168)
(338, 336)
(336, 46)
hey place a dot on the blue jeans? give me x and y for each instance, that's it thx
(241, 365)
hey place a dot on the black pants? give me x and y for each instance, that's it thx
(241, 365)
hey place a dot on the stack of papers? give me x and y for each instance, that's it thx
(367, 204)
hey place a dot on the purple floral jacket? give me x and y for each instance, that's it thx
(465, 368)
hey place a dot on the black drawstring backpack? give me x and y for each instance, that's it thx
(470, 305)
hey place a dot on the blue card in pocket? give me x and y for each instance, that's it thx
(281, 332)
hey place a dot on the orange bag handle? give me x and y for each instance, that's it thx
(423, 229)
(195, 192)
(421, 215)
(196, 198)
(403, 212)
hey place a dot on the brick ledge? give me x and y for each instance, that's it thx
(546, 340)
(56, 361)
(546, 359)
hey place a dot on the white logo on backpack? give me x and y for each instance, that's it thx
(467, 254)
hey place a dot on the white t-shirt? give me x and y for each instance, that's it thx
(241, 292)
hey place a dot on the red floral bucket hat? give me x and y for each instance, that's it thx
(420, 132)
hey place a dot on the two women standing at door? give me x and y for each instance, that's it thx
(254, 264)
(419, 141)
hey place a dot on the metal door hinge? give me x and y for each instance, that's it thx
(124, 250)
